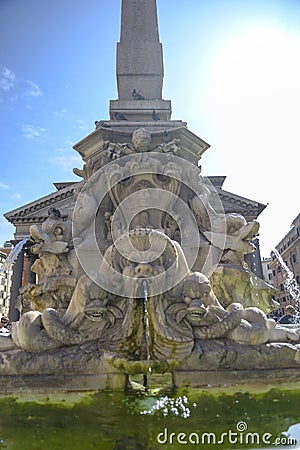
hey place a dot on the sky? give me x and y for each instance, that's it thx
(232, 71)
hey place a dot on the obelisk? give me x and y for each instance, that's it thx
(140, 64)
(139, 52)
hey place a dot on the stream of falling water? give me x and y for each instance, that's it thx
(147, 377)
(13, 255)
(290, 283)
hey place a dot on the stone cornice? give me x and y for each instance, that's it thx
(32, 208)
(192, 147)
(252, 207)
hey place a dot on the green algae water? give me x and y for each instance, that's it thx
(182, 419)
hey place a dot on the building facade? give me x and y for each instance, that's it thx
(281, 271)
(267, 271)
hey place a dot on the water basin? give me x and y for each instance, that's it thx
(222, 418)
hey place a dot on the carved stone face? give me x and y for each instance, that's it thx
(243, 231)
(197, 294)
(197, 285)
(247, 233)
(143, 270)
(95, 310)
(141, 140)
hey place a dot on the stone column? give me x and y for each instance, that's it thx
(16, 284)
(30, 276)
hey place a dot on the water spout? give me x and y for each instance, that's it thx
(290, 283)
(13, 255)
(147, 377)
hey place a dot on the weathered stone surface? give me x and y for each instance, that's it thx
(244, 378)
(237, 284)
(142, 110)
(224, 354)
(62, 383)
(224, 362)
(84, 367)
(69, 368)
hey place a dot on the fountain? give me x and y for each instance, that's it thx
(137, 294)
(147, 274)
(146, 277)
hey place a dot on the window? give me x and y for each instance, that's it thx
(281, 287)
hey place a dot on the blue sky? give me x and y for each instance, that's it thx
(232, 71)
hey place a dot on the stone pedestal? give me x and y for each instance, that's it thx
(141, 110)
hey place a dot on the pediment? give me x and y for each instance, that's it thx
(234, 203)
(37, 210)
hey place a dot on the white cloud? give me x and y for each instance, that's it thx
(61, 112)
(11, 194)
(82, 125)
(32, 89)
(31, 131)
(7, 79)
(78, 123)
(14, 88)
(15, 196)
(66, 159)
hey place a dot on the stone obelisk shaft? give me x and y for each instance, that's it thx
(139, 52)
